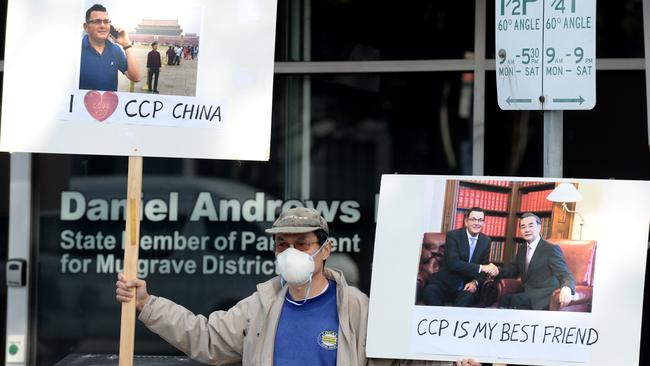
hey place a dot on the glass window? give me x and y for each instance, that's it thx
(619, 29)
(513, 139)
(365, 30)
(611, 140)
(366, 125)
(595, 143)
(202, 230)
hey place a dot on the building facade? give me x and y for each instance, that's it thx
(163, 31)
(362, 88)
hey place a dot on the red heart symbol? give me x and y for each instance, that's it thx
(100, 106)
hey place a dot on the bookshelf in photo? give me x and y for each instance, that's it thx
(504, 202)
(556, 223)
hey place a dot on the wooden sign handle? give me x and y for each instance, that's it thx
(133, 198)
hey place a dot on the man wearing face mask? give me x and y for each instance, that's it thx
(306, 316)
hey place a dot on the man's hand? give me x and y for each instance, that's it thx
(467, 362)
(470, 287)
(123, 38)
(124, 291)
(490, 269)
(565, 296)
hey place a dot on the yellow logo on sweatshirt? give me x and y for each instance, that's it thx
(328, 339)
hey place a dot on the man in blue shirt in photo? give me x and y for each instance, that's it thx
(100, 58)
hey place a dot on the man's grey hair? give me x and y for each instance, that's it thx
(530, 214)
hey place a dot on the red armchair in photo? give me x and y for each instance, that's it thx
(580, 257)
(433, 251)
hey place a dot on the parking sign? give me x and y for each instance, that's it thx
(546, 54)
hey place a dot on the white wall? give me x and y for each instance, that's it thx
(589, 208)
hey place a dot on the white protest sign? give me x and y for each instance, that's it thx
(402, 327)
(562, 336)
(546, 54)
(133, 109)
(214, 99)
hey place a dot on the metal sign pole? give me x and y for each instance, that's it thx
(553, 153)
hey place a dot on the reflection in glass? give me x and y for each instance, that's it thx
(365, 30)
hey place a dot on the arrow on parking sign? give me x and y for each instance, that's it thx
(513, 100)
(578, 100)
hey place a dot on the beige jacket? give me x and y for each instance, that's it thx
(246, 332)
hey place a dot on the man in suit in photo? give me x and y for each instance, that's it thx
(541, 267)
(464, 266)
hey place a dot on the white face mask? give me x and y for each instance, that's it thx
(296, 267)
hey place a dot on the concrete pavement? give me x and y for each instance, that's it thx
(173, 80)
